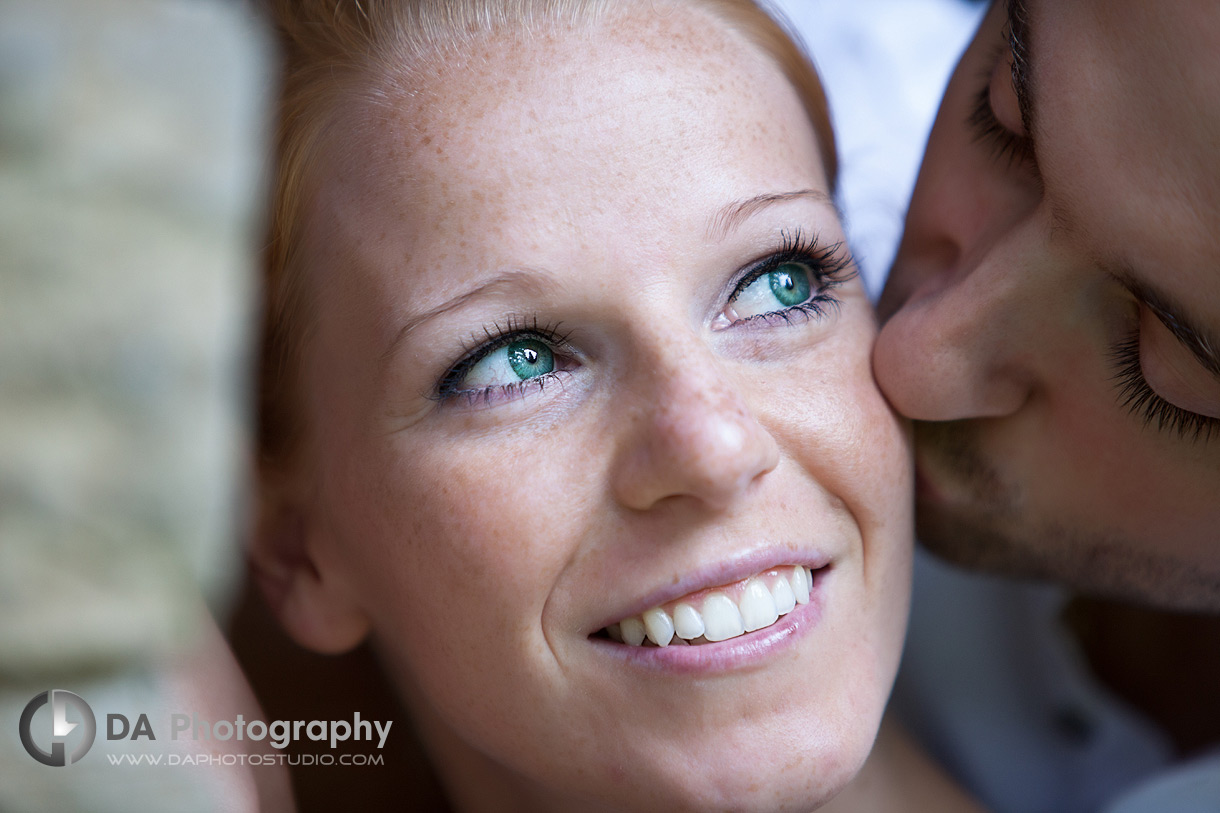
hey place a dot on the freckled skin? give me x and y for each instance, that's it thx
(482, 545)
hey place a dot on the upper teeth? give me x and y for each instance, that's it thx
(721, 614)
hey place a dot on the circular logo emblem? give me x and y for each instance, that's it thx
(81, 730)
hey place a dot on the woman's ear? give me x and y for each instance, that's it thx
(311, 601)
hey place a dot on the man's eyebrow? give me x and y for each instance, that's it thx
(528, 280)
(1020, 42)
(1190, 332)
(732, 215)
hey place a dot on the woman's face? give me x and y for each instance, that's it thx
(588, 345)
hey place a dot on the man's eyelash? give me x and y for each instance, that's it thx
(1006, 146)
(1142, 401)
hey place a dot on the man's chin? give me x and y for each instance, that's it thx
(1094, 564)
(964, 509)
(951, 536)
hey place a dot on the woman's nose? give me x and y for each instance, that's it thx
(693, 436)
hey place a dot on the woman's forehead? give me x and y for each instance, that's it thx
(586, 117)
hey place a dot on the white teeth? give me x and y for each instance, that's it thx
(757, 607)
(762, 600)
(781, 593)
(659, 626)
(633, 630)
(802, 580)
(688, 623)
(721, 618)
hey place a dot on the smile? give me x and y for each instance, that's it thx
(718, 613)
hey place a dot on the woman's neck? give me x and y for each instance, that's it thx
(900, 776)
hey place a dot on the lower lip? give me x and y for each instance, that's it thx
(751, 649)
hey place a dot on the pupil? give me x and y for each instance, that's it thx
(790, 288)
(530, 359)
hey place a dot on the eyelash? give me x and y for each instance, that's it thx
(1005, 145)
(1142, 401)
(496, 336)
(829, 266)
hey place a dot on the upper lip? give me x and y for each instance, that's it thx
(725, 571)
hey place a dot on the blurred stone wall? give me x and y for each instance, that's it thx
(132, 142)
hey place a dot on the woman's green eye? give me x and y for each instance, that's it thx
(511, 364)
(786, 286)
(530, 358)
(790, 284)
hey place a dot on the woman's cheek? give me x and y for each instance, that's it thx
(476, 515)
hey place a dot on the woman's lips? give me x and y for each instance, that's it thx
(745, 651)
(719, 613)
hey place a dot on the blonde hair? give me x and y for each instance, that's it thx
(333, 50)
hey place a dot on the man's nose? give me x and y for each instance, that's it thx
(690, 435)
(965, 341)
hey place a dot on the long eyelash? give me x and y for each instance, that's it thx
(832, 265)
(1006, 146)
(494, 337)
(1142, 401)
(507, 392)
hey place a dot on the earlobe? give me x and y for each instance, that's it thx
(311, 601)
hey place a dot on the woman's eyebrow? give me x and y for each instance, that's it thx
(731, 216)
(528, 280)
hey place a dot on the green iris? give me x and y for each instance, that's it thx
(790, 284)
(530, 358)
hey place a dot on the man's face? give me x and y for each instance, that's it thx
(1054, 310)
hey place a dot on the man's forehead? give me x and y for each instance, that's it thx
(1128, 125)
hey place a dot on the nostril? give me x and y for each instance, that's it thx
(923, 267)
(893, 297)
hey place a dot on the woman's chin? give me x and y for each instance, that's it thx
(793, 759)
(766, 784)
(755, 768)
(782, 784)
